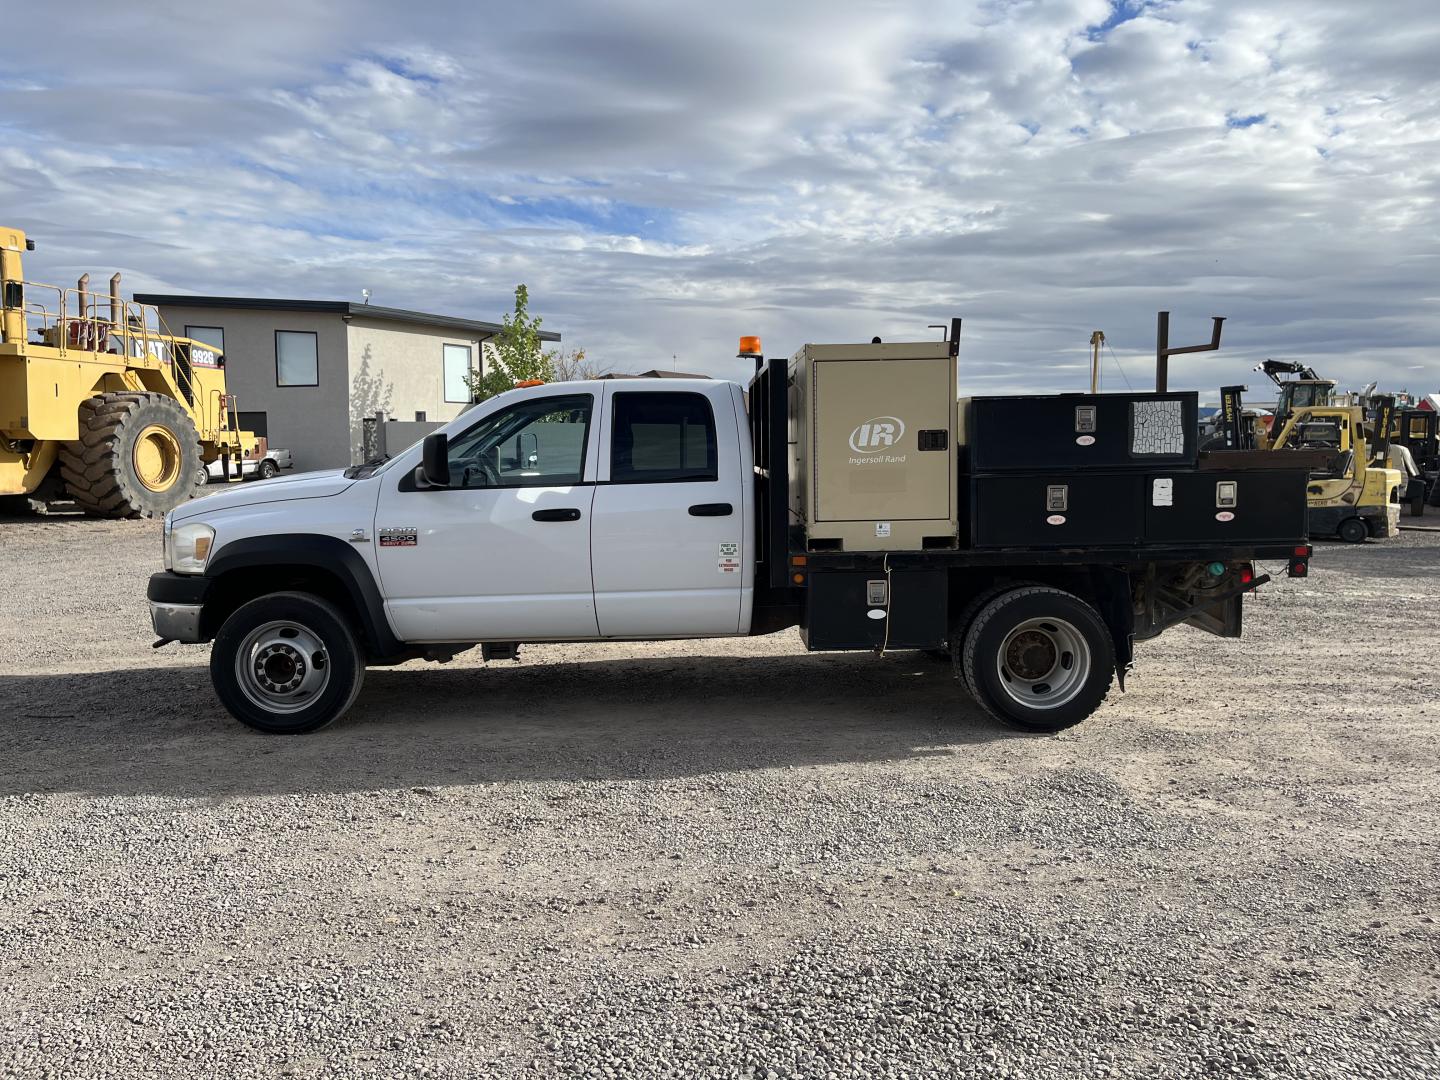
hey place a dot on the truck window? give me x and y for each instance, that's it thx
(535, 443)
(662, 436)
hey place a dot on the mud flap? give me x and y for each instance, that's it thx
(1112, 593)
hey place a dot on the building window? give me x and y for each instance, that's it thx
(662, 437)
(457, 366)
(297, 360)
(211, 335)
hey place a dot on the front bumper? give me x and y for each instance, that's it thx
(177, 602)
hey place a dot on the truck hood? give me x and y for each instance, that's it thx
(313, 485)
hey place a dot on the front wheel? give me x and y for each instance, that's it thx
(268, 469)
(286, 663)
(1354, 531)
(1038, 658)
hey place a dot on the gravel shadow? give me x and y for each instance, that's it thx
(162, 731)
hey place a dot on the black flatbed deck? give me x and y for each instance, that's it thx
(1128, 556)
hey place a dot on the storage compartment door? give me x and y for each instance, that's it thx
(883, 449)
(1213, 505)
(856, 609)
(1057, 510)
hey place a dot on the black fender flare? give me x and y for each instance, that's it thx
(328, 553)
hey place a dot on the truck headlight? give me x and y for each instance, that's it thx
(188, 548)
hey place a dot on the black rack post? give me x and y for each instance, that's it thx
(1163, 351)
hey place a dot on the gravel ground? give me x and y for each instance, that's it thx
(726, 859)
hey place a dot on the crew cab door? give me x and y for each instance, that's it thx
(670, 550)
(503, 554)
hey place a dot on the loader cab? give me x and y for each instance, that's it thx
(1297, 394)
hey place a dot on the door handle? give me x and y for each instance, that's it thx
(567, 514)
(711, 510)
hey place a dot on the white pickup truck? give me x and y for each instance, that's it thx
(641, 509)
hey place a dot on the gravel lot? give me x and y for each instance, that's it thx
(725, 859)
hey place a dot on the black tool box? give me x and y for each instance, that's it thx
(859, 610)
(1064, 509)
(1080, 431)
(1059, 508)
(1218, 504)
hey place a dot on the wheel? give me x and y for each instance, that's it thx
(267, 469)
(286, 663)
(138, 455)
(1038, 658)
(962, 623)
(1354, 531)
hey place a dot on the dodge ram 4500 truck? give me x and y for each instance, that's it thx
(850, 494)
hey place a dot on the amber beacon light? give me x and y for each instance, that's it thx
(749, 346)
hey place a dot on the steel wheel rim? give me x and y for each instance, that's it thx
(157, 458)
(1043, 663)
(282, 667)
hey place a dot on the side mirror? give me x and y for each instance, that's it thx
(435, 463)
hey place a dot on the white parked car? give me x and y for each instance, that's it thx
(252, 468)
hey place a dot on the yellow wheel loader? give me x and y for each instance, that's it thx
(100, 403)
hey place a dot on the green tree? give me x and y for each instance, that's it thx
(514, 354)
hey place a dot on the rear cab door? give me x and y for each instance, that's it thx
(672, 522)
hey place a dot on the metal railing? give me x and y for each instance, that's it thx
(108, 324)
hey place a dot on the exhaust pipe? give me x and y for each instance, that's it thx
(115, 306)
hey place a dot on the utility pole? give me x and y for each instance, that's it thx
(1096, 340)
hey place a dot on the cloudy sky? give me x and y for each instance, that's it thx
(667, 176)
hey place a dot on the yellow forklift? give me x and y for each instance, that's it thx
(1352, 494)
(100, 403)
(1418, 431)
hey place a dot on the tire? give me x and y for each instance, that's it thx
(267, 469)
(1014, 658)
(962, 623)
(138, 456)
(266, 653)
(1353, 531)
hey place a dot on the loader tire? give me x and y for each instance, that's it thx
(138, 456)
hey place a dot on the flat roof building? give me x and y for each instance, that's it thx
(307, 373)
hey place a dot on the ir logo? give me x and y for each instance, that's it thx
(878, 433)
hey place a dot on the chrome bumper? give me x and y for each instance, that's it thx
(177, 622)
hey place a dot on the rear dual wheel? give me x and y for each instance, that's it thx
(1036, 658)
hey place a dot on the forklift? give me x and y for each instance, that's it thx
(1352, 494)
(1418, 431)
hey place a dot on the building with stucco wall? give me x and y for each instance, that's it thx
(306, 373)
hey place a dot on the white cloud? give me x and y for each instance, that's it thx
(666, 177)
